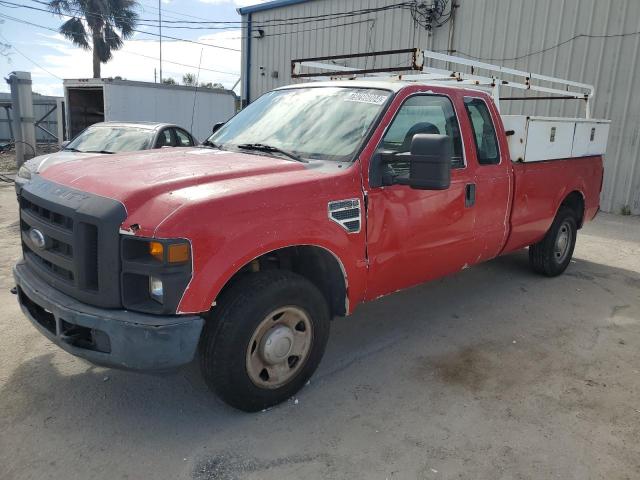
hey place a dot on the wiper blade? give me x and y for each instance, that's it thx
(72, 150)
(261, 147)
(99, 151)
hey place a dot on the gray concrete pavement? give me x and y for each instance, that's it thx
(494, 373)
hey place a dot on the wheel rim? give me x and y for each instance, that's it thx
(563, 242)
(279, 347)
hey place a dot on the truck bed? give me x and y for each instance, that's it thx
(539, 189)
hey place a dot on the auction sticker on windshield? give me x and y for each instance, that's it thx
(366, 97)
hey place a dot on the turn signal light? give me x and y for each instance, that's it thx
(156, 250)
(178, 253)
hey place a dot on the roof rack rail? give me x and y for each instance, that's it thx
(498, 77)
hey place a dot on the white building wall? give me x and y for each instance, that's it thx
(498, 31)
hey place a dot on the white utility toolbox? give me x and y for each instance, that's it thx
(535, 139)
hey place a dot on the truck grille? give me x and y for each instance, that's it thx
(56, 256)
(71, 240)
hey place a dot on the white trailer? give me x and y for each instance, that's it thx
(88, 101)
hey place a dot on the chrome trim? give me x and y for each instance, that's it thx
(336, 206)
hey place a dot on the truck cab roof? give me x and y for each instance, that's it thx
(390, 85)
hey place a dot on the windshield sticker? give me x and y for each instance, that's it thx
(366, 97)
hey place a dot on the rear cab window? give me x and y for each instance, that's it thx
(484, 132)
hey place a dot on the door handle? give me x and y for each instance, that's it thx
(470, 195)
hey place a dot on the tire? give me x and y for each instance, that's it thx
(251, 325)
(552, 255)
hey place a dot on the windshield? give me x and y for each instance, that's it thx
(111, 139)
(325, 123)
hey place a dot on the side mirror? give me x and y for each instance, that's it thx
(217, 126)
(64, 144)
(429, 164)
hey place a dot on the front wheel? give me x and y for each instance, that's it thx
(266, 339)
(551, 256)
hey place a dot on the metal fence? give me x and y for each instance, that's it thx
(45, 113)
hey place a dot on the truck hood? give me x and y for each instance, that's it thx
(153, 184)
(42, 162)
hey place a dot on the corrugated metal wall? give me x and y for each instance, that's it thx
(498, 31)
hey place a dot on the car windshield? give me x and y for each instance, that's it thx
(325, 123)
(111, 139)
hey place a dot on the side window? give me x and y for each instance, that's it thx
(484, 132)
(182, 138)
(164, 139)
(424, 114)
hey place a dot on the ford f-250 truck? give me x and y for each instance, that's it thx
(315, 198)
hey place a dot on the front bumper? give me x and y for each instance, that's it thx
(112, 338)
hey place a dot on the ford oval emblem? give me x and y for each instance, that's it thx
(37, 238)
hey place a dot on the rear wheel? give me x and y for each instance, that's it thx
(552, 255)
(266, 339)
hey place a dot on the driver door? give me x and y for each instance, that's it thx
(418, 235)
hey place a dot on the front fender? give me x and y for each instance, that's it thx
(228, 233)
(213, 270)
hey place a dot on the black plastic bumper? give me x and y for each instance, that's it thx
(113, 338)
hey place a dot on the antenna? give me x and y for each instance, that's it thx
(160, 26)
(193, 110)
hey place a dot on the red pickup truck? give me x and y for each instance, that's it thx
(313, 199)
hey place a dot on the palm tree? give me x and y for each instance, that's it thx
(94, 24)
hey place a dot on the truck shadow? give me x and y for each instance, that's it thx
(57, 393)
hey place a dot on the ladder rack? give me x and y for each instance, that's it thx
(420, 72)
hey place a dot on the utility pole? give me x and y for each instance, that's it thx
(160, 24)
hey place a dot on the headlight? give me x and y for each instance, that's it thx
(156, 291)
(24, 172)
(155, 273)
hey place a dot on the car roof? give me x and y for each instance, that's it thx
(141, 125)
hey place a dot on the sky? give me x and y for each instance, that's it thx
(50, 57)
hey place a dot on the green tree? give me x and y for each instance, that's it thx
(169, 81)
(211, 85)
(99, 25)
(189, 79)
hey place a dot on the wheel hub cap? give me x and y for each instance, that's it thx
(279, 347)
(563, 242)
(276, 344)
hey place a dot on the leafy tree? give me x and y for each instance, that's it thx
(189, 79)
(211, 85)
(99, 25)
(169, 81)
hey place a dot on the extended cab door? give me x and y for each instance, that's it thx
(417, 235)
(492, 193)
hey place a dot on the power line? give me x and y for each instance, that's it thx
(262, 23)
(552, 47)
(144, 5)
(164, 60)
(131, 53)
(345, 15)
(135, 30)
(32, 61)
